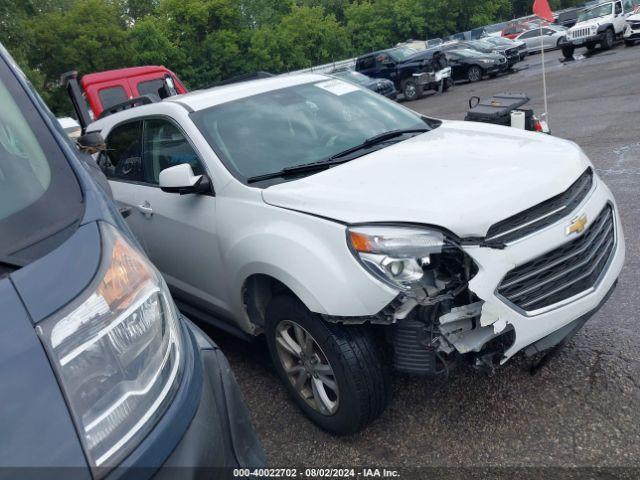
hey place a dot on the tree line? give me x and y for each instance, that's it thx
(205, 41)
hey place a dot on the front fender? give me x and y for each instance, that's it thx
(306, 253)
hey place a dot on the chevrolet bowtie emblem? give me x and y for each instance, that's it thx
(577, 225)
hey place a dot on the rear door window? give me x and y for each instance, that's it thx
(123, 157)
(112, 96)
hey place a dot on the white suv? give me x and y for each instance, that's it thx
(600, 25)
(360, 237)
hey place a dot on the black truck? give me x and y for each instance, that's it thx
(411, 71)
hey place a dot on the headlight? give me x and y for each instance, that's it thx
(396, 255)
(117, 352)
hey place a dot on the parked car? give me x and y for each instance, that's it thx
(343, 224)
(632, 32)
(104, 90)
(601, 25)
(511, 52)
(411, 72)
(471, 65)
(508, 43)
(100, 372)
(379, 85)
(513, 29)
(549, 37)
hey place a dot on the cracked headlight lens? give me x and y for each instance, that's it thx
(396, 255)
(117, 352)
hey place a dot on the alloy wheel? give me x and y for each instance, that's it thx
(307, 367)
(475, 74)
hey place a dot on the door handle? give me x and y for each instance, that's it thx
(145, 209)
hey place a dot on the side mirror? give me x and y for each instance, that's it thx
(180, 179)
(91, 142)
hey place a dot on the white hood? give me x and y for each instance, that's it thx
(462, 176)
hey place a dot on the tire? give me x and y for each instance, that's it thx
(608, 40)
(411, 90)
(353, 354)
(474, 74)
(448, 83)
(568, 51)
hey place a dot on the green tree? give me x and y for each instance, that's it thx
(89, 37)
(304, 38)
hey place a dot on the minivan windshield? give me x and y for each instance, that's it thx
(596, 12)
(298, 125)
(39, 194)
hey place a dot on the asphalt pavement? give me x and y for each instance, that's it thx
(583, 409)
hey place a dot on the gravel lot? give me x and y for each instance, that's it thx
(583, 410)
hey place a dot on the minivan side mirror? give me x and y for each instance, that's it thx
(180, 179)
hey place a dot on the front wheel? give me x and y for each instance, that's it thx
(608, 40)
(411, 90)
(474, 74)
(336, 374)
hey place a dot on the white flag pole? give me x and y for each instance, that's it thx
(544, 79)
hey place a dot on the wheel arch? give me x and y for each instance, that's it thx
(259, 288)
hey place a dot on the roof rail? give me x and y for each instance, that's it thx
(131, 103)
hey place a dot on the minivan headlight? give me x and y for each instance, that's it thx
(116, 351)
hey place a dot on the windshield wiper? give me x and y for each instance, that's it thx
(338, 158)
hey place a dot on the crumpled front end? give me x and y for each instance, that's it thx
(556, 264)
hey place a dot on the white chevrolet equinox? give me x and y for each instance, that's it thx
(362, 238)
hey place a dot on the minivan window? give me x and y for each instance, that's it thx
(39, 193)
(302, 124)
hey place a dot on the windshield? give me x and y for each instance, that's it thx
(39, 195)
(298, 125)
(354, 77)
(600, 11)
(400, 54)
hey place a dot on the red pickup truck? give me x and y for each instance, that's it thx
(105, 90)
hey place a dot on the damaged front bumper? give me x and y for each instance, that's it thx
(496, 315)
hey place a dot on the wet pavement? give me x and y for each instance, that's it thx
(583, 409)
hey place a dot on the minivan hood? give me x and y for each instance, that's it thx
(462, 176)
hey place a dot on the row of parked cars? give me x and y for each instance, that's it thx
(413, 67)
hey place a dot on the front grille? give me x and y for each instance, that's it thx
(543, 214)
(580, 33)
(564, 272)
